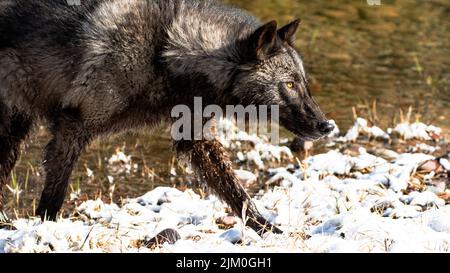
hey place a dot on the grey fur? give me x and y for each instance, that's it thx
(113, 65)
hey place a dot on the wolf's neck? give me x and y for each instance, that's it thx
(202, 39)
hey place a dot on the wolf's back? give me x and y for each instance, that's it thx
(53, 22)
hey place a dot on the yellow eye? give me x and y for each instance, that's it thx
(290, 85)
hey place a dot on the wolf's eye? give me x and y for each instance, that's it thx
(290, 85)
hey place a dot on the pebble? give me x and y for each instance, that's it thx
(430, 166)
(226, 221)
(169, 236)
(233, 236)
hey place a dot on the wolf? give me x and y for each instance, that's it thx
(107, 66)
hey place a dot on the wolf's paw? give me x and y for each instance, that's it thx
(261, 226)
(46, 214)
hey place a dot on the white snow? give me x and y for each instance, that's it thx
(361, 127)
(339, 215)
(121, 163)
(417, 130)
(332, 202)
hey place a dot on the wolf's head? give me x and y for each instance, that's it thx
(272, 73)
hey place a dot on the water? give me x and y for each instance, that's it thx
(396, 54)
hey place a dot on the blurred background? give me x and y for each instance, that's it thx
(377, 59)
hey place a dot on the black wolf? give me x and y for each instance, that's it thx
(106, 66)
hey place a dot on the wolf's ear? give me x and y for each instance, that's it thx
(263, 42)
(287, 33)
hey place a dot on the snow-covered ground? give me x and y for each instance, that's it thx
(329, 202)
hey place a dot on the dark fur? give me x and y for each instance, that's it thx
(114, 65)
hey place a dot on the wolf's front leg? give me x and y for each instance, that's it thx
(211, 165)
(61, 154)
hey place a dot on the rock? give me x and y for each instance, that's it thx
(438, 188)
(430, 166)
(226, 222)
(329, 227)
(233, 236)
(445, 196)
(169, 235)
(158, 196)
(438, 184)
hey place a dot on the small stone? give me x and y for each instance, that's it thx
(233, 236)
(430, 166)
(169, 235)
(440, 184)
(436, 189)
(226, 222)
(445, 196)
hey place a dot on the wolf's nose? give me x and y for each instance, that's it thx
(325, 127)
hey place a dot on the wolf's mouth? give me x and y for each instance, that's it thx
(312, 134)
(310, 137)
